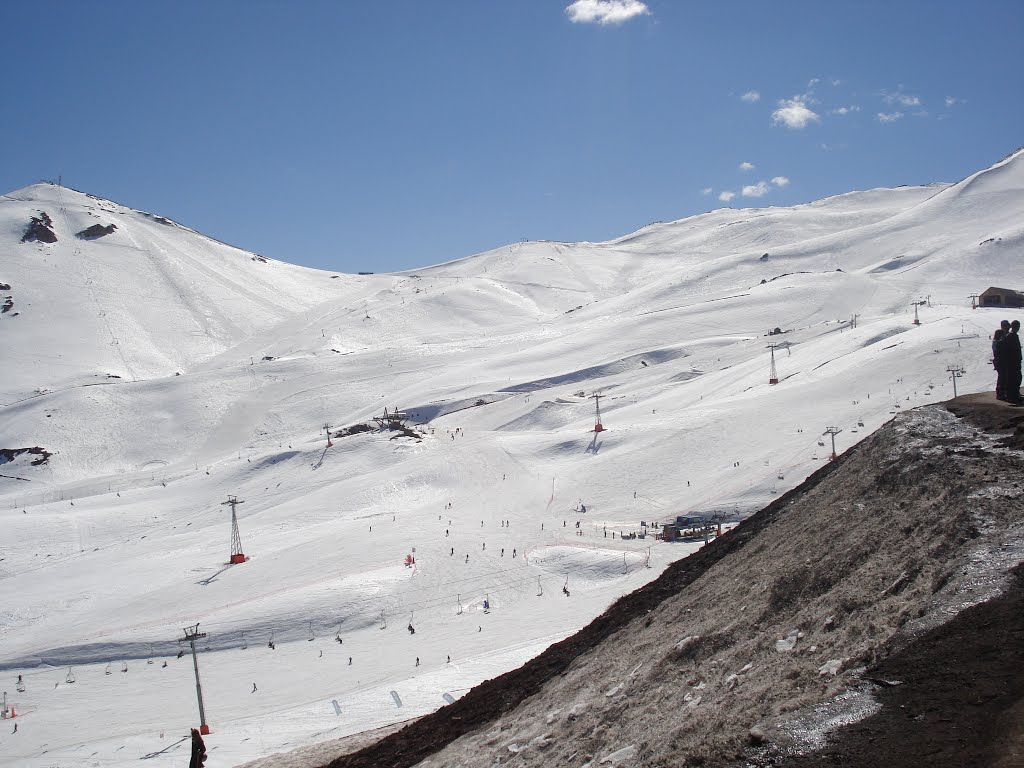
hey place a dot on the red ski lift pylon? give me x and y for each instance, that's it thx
(237, 556)
(327, 429)
(598, 426)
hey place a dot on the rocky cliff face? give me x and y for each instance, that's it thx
(39, 230)
(753, 650)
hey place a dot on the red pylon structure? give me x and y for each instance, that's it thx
(237, 556)
(598, 426)
(773, 377)
(916, 320)
(327, 429)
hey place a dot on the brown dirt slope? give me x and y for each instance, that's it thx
(860, 567)
(960, 700)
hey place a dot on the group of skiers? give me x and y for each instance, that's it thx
(1006, 359)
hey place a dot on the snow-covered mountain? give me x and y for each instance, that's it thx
(160, 370)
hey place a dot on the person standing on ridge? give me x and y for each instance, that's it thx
(997, 358)
(1010, 358)
(1013, 391)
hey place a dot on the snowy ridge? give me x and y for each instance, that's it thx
(229, 367)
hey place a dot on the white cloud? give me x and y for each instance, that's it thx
(837, 82)
(725, 197)
(756, 190)
(706, 191)
(889, 117)
(901, 98)
(745, 166)
(813, 82)
(951, 100)
(780, 181)
(846, 110)
(605, 11)
(751, 96)
(794, 113)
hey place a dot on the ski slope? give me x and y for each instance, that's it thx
(163, 371)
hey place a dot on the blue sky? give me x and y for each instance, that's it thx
(382, 136)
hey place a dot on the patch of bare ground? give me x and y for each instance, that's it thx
(758, 648)
(10, 454)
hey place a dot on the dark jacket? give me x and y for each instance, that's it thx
(1010, 350)
(996, 338)
(198, 750)
(1007, 352)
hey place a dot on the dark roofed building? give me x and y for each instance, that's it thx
(1001, 297)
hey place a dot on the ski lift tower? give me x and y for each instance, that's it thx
(191, 635)
(598, 426)
(237, 556)
(917, 321)
(955, 372)
(773, 377)
(833, 431)
(327, 429)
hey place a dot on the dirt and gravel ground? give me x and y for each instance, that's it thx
(884, 594)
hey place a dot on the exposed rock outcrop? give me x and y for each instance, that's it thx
(40, 229)
(8, 455)
(96, 231)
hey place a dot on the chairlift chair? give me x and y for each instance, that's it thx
(70, 677)
(107, 670)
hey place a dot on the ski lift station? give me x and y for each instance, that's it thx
(689, 527)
